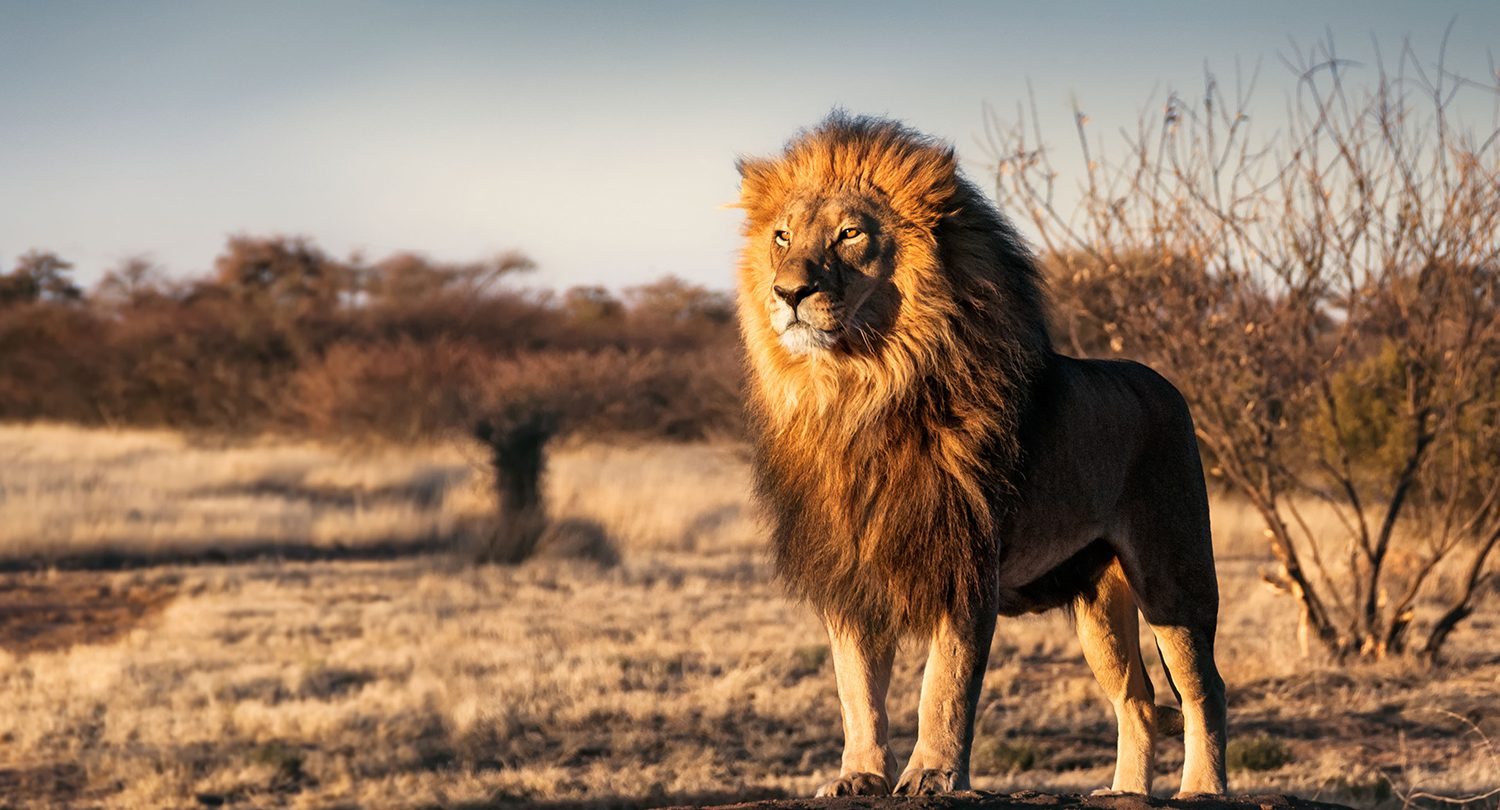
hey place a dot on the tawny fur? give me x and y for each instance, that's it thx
(888, 467)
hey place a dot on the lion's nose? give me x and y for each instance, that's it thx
(793, 295)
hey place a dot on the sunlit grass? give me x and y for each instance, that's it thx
(682, 672)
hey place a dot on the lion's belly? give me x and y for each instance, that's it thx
(1026, 558)
(1055, 585)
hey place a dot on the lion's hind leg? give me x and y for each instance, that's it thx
(1188, 652)
(1178, 595)
(1109, 632)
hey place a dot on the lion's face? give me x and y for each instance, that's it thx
(831, 260)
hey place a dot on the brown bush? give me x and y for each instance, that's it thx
(193, 364)
(677, 395)
(49, 366)
(400, 390)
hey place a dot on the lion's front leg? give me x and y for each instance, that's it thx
(863, 670)
(956, 660)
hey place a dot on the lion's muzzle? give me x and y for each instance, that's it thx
(806, 319)
(800, 338)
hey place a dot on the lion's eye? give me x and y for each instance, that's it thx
(849, 234)
(783, 238)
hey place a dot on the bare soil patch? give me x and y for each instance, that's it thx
(55, 611)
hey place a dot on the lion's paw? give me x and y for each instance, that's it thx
(1113, 792)
(857, 784)
(927, 782)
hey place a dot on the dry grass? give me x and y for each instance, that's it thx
(681, 672)
(96, 495)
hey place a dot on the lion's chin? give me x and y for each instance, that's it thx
(799, 338)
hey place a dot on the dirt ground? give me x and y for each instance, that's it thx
(56, 610)
(1031, 800)
(673, 679)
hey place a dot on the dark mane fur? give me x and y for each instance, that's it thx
(887, 472)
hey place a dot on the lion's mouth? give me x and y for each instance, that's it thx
(801, 337)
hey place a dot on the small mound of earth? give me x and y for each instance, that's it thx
(1027, 800)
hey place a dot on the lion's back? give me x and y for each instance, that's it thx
(1104, 443)
(1110, 409)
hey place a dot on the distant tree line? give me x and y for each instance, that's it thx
(281, 336)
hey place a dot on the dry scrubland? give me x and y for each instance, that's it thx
(375, 677)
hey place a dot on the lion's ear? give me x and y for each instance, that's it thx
(748, 166)
(944, 169)
(757, 179)
(925, 185)
(753, 175)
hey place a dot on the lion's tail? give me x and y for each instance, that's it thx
(1168, 722)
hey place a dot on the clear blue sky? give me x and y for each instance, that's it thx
(597, 137)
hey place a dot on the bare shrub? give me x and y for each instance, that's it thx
(674, 301)
(669, 394)
(400, 390)
(136, 281)
(408, 276)
(517, 438)
(42, 373)
(585, 306)
(38, 276)
(192, 363)
(281, 277)
(1328, 299)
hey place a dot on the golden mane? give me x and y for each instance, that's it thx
(887, 464)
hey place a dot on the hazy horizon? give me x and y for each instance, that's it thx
(597, 138)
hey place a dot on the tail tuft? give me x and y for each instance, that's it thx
(1168, 722)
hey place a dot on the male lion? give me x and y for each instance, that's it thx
(930, 462)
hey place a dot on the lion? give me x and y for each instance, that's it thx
(929, 462)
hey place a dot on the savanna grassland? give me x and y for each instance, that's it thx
(278, 623)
